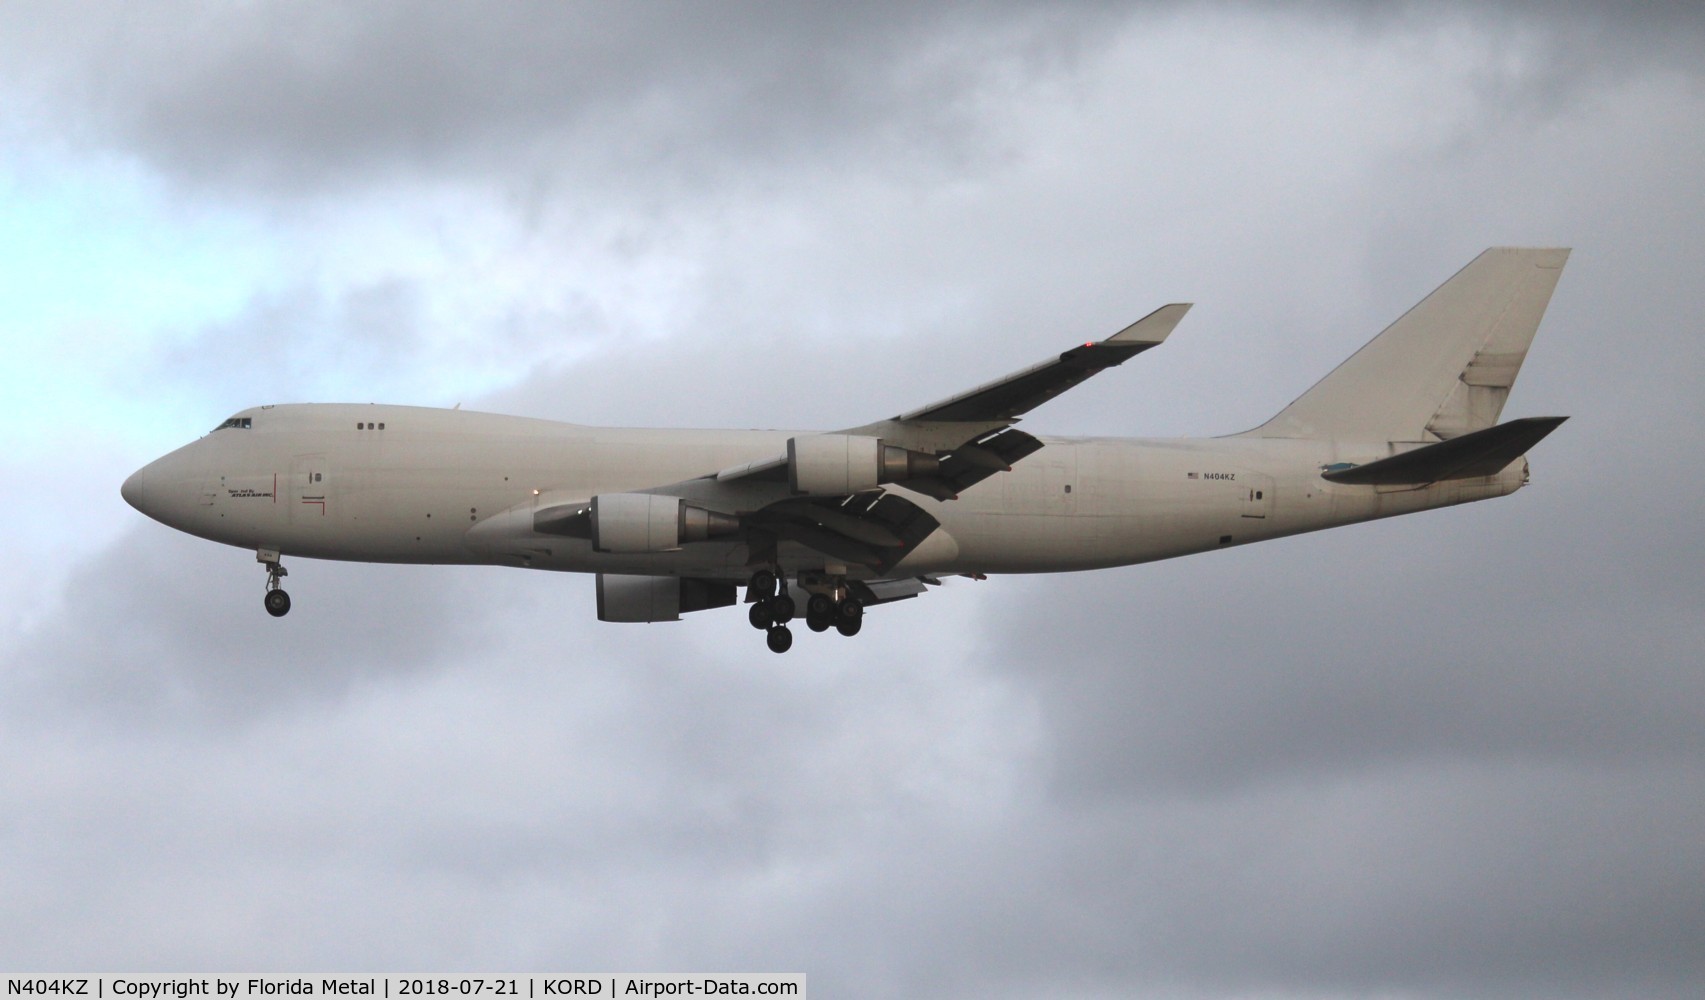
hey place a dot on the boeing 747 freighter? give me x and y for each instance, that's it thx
(828, 524)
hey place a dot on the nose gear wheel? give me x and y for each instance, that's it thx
(277, 602)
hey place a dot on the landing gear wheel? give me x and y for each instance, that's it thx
(780, 639)
(849, 617)
(782, 609)
(759, 616)
(277, 601)
(819, 613)
(763, 584)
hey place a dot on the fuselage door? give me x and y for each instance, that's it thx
(308, 489)
(1258, 494)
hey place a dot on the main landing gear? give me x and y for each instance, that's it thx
(277, 601)
(823, 612)
(771, 611)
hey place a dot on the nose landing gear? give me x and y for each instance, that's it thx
(277, 601)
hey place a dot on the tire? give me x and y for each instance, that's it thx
(818, 623)
(849, 610)
(820, 606)
(780, 639)
(277, 603)
(764, 583)
(849, 626)
(759, 616)
(782, 609)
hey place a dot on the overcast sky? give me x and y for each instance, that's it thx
(1460, 754)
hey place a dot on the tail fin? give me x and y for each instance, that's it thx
(1444, 368)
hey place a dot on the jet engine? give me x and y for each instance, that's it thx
(623, 598)
(645, 522)
(836, 464)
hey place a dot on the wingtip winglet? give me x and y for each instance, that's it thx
(1153, 328)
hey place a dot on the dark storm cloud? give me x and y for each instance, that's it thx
(297, 98)
(1489, 880)
(1487, 649)
(292, 97)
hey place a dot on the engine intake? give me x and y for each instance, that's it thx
(835, 464)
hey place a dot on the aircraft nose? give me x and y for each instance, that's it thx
(135, 489)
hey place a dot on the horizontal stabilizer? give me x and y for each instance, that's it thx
(1479, 453)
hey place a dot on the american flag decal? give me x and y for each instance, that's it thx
(1191, 475)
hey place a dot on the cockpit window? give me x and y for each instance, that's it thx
(241, 423)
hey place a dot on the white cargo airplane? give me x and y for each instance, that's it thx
(673, 521)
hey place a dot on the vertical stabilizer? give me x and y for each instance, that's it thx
(1444, 368)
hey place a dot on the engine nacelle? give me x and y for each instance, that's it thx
(628, 523)
(698, 524)
(623, 598)
(835, 464)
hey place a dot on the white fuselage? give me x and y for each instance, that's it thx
(448, 486)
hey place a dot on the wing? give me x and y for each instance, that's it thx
(826, 491)
(1008, 398)
(970, 433)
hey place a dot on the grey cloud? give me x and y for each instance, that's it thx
(287, 345)
(378, 340)
(288, 97)
(1433, 657)
(149, 634)
(297, 98)
(1500, 881)
(566, 787)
